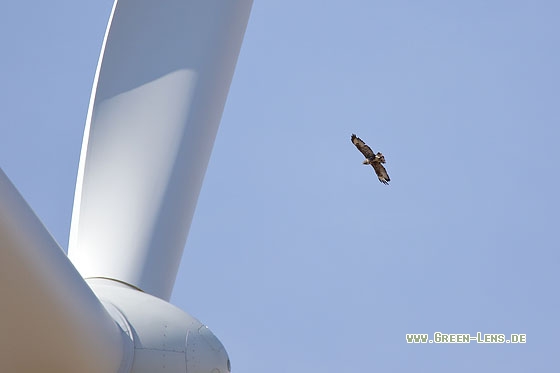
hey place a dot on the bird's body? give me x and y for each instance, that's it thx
(373, 159)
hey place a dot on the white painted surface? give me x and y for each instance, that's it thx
(166, 339)
(51, 320)
(158, 98)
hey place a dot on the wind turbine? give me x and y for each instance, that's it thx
(159, 91)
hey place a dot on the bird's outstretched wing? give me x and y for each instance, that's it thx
(362, 147)
(381, 172)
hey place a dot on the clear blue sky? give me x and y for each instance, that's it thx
(298, 259)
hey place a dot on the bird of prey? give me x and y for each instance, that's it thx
(375, 160)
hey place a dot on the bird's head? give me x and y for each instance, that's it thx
(366, 161)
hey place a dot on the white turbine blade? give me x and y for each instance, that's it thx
(50, 319)
(158, 96)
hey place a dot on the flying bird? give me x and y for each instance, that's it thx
(375, 160)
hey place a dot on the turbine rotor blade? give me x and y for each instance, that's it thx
(158, 97)
(51, 320)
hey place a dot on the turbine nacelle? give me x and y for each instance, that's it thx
(162, 337)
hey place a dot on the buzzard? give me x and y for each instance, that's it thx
(373, 159)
